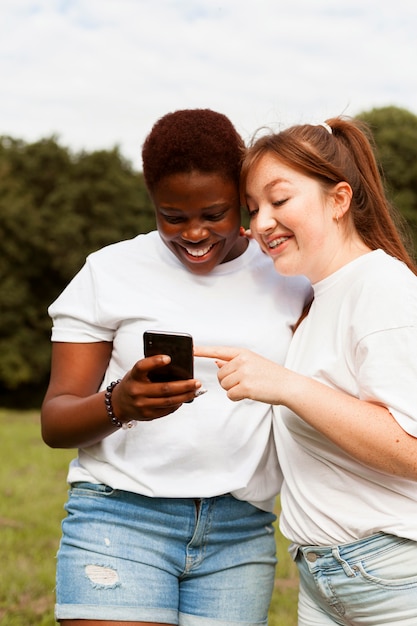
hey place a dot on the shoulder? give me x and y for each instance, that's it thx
(383, 276)
(383, 291)
(140, 245)
(130, 255)
(375, 273)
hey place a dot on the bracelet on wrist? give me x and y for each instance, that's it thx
(109, 407)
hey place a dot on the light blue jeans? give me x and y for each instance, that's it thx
(179, 561)
(369, 582)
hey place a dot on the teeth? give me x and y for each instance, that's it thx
(277, 242)
(198, 253)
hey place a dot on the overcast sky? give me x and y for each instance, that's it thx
(99, 73)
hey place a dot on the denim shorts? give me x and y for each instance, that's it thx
(372, 582)
(128, 557)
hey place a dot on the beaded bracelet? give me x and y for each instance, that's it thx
(109, 407)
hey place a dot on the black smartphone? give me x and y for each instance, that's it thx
(179, 346)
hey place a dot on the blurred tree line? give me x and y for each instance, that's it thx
(56, 207)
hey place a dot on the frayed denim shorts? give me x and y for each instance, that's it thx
(372, 581)
(128, 557)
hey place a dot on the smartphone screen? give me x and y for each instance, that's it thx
(179, 346)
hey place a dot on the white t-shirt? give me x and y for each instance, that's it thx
(211, 446)
(360, 336)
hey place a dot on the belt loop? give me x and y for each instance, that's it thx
(346, 567)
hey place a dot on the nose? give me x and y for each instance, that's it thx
(195, 232)
(264, 221)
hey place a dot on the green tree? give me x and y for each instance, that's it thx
(55, 208)
(395, 134)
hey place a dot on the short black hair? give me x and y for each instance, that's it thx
(192, 139)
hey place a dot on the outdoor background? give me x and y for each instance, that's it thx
(82, 83)
(55, 207)
(99, 73)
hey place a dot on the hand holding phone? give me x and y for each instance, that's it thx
(179, 346)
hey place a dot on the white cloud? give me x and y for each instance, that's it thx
(100, 72)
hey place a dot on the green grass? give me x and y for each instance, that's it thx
(32, 495)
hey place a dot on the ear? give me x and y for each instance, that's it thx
(342, 197)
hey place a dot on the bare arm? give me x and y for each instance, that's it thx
(366, 431)
(73, 412)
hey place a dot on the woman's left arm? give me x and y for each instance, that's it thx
(364, 430)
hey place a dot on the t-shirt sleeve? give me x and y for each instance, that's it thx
(75, 313)
(387, 363)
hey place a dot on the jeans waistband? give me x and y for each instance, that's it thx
(370, 544)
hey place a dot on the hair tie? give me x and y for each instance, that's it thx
(327, 127)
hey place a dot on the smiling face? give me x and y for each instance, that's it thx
(294, 220)
(198, 218)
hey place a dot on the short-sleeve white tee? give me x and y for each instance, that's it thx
(360, 336)
(211, 446)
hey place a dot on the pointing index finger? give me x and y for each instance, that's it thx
(224, 353)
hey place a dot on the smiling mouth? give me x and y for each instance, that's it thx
(198, 252)
(277, 242)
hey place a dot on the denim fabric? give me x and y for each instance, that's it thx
(191, 562)
(369, 582)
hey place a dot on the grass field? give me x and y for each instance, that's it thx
(32, 494)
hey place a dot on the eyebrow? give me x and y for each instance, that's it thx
(271, 184)
(276, 181)
(222, 204)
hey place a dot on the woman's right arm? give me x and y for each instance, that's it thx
(74, 413)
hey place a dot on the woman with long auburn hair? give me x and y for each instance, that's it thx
(346, 399)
